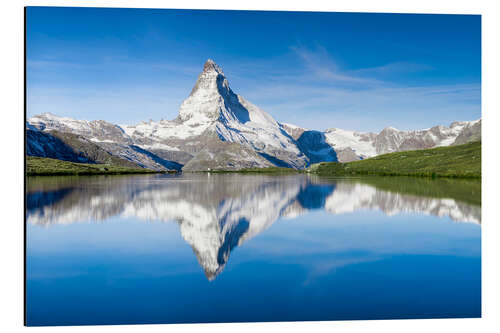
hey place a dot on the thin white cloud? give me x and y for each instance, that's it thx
(371, 108)
(322, 65)
(51, 64)
(321, 95)
(394, 68)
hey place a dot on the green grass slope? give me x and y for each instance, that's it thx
(462, 161)
(49, 166)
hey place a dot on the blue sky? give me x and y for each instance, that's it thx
(317, 70)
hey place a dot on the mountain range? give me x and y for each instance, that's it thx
(219, 129)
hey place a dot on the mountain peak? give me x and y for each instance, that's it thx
(210, 65)
(210, 80)
(390, 129)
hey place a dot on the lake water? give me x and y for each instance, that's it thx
(230, 248)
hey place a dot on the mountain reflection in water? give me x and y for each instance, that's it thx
(216, 213)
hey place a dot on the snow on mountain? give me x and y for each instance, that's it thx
(469, 133)
(293, 130)
(212, 108)
(164, 129)
(96, 130)
(390, 139)
(90, 142)
(217, 128)
(361, 144)
(213, 105)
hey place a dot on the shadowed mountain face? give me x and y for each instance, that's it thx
(315, 147)
(217, 213)
(43, 144)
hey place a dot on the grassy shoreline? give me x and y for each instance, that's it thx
(462, 161)
(42, 166)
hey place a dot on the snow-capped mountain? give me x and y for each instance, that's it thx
(215, 113)
(351, 145)
(218, 129)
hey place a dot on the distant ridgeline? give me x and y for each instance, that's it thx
(217, 129)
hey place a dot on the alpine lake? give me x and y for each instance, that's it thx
(202, 247)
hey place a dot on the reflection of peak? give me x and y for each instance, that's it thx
(231, 240)
(314, 195)
(234, 215)
(217, 213)
(213, 244)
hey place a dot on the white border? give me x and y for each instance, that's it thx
(11, 125)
